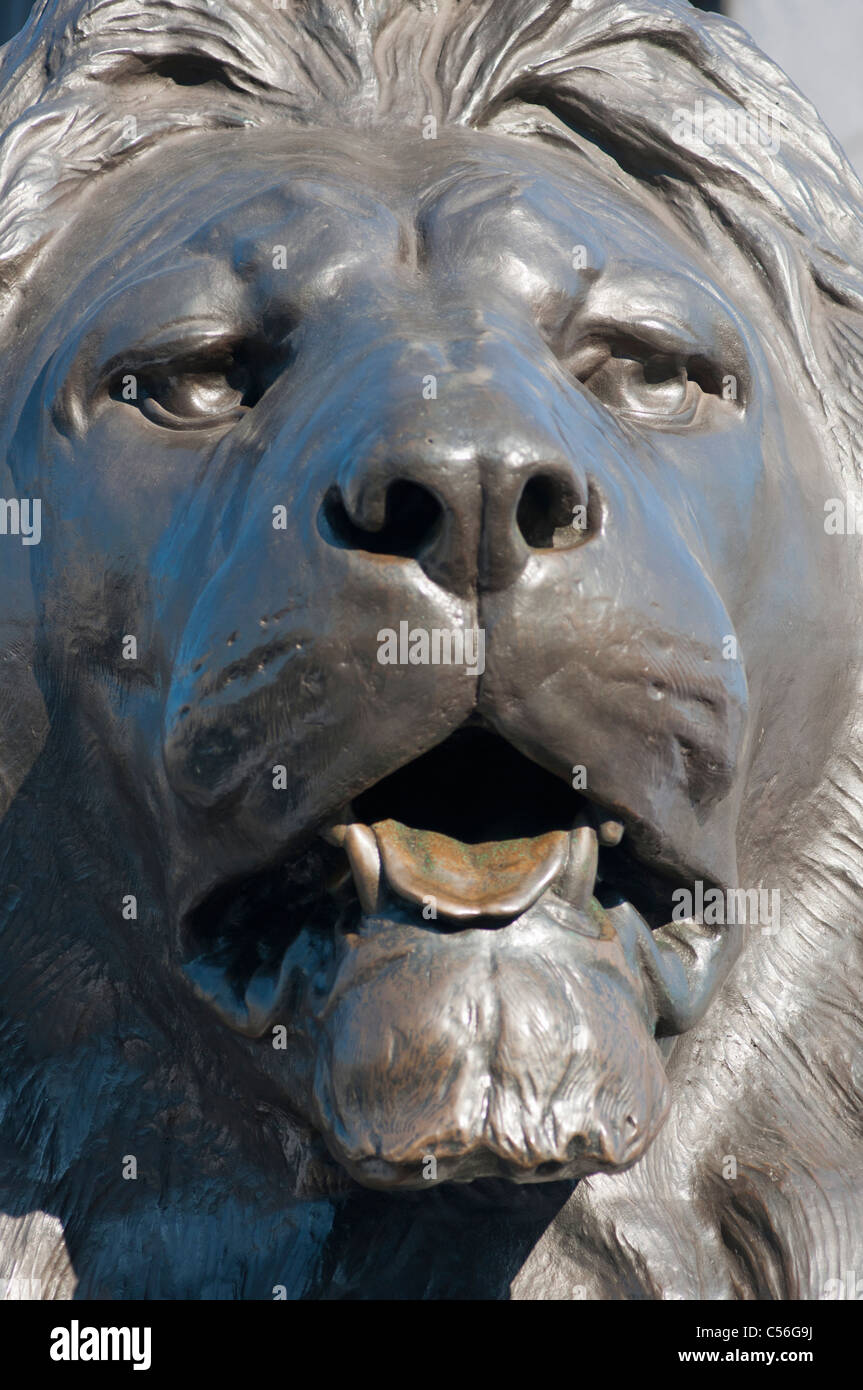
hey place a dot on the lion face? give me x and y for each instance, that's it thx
(393, 386)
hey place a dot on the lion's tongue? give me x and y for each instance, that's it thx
(499, 879)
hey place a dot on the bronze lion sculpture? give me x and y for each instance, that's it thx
(431, 640)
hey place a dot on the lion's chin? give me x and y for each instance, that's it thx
(524, 1052)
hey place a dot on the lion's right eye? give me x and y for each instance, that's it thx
(197, 396)
(189, 395)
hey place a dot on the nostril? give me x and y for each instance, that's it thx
(550, 1169)
(412, 519)
(551, 514)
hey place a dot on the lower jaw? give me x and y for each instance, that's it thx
(251, 999)
(424, 1071)
(526, 1053)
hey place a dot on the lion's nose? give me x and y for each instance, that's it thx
(470, 516)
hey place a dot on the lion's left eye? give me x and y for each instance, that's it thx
(654, 386)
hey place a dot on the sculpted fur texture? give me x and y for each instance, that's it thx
(434, 416)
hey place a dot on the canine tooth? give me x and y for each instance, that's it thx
(610, 832)
(576, 882)
(362, 850)
(334, 834)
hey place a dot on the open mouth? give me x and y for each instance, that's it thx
(470, 834)
(470, 962)
(475, 832)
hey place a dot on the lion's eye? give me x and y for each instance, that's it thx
(189, 395)
(205, 393)
(197, 397)
(655, 385)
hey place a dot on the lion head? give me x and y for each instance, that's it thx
(431, 414)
